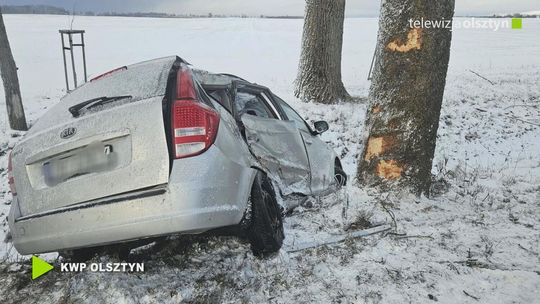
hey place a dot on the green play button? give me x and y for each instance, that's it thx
(39, 267)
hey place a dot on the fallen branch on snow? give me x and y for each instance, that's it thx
(492, 83)
(339, 238)
(470, 295)
(405, 236)
(525, 121)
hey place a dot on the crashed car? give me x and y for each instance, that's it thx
(158, 148)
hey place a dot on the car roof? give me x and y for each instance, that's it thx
(216, 79)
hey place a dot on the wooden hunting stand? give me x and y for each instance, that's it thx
(69, 47)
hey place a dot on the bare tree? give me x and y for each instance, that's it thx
(406, 94)
(8, 69)
(319, 74)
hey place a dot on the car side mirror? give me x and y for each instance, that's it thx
(321, 126)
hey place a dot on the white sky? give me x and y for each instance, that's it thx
(354, 7)
(267, 7)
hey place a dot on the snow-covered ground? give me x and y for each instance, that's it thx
(476, 240)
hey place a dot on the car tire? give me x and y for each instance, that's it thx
(265, 227)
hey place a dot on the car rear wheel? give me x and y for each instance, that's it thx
(265, 227)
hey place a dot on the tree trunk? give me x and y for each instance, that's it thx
(319, 74)
(8, 69)
(406, 95)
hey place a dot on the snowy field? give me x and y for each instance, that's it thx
(477, 240)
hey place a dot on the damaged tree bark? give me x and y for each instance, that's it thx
(406, 95)
(319, 74)
(8, 70)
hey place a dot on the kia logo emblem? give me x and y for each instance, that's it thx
(67, 133)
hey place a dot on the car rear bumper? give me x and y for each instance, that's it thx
(190, 203)
(115, 222)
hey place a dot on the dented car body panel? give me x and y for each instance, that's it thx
(99, 168)
(280, 149)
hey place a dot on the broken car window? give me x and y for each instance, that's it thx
(248, 103)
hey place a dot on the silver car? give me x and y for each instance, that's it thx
(158, 148)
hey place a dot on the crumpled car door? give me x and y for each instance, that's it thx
(321, 158)
(278, 146)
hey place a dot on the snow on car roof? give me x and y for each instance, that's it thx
(209, 78)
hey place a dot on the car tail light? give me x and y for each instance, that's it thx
(11, 180)
(108, 73)
(185, 88)
(194, 124)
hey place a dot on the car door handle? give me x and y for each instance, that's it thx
(253, 138)
(309, 141)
